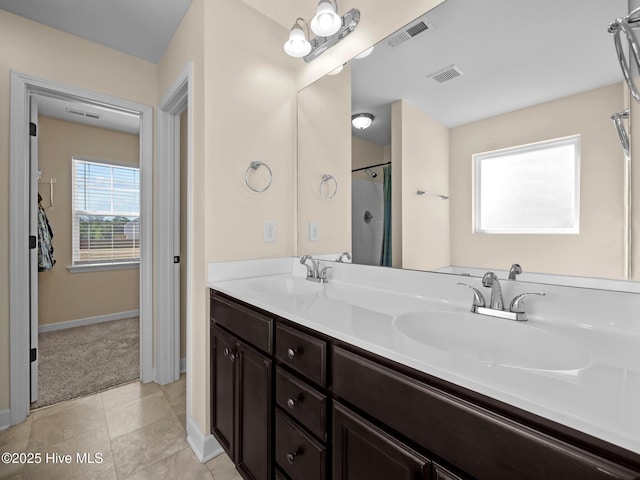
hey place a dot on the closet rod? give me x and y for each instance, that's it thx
(370, 166)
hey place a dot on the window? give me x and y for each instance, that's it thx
(106, 213)
(531, 188)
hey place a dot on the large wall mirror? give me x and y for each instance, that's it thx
(491, 144)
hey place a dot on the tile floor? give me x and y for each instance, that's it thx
(138, 430)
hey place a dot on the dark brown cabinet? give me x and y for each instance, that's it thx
(289, 403)
(242, 403)
(362, 451)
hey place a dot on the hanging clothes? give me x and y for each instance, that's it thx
(45, 234)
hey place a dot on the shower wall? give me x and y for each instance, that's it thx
(366, 237)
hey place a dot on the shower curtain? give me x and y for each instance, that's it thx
(385, 255)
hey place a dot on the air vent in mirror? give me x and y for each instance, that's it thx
(408, 33)
(446, 74)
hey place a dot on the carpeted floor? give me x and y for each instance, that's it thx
(79, 361)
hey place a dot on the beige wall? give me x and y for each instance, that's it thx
(324, 142)
(423, 156)
(63, 295)
(601, 188)
(365, 153)
(38, 50)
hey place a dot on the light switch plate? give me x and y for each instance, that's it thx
(269, 232)
(314, 232)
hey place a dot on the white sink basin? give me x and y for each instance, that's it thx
(284, 286)
(493, 341)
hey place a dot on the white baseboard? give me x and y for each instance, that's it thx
(183, 365)
(205, 447)
(88, 321)
(5, 419)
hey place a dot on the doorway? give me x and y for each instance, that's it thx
(21, 310)
(88, 327)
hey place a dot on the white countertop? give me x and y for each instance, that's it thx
(360, 306)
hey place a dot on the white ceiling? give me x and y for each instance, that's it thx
(513, 54)
(142, 28)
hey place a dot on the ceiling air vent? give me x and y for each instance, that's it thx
(408, 33)
(447, 74)
(92, 115)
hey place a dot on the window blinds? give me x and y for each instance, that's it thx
(106, 213)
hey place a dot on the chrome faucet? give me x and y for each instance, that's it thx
(496, 305)
(314, 272)
(490, 279)
(342, 256)
(514, 270)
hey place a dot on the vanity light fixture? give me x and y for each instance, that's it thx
(326, 21)
(298, 44)
(362, 120)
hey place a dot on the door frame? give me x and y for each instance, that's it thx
(173, 103)
(22, 86)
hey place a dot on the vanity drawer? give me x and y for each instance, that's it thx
(298, 454)
(471, 438)
(250, 325)
(302, 352)
(302, 402)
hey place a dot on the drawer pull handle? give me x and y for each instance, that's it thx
(292, 402)
(291, 457)
(230, 354)
(291, 353)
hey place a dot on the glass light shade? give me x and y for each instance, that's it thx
(327, 21)
(364, 54)
(362, 120)
(297, 45)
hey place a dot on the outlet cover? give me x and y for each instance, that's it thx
(314, 232)
(269, 232)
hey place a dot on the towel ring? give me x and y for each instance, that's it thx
(326, 178)
(623, 26)
(253, 166)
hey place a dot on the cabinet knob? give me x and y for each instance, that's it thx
(226, 352)
(293, 401)
(291, 457)
(233, 356)
(291, 353)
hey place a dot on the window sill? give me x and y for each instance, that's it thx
(97, 267)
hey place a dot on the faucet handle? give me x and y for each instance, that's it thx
(323, 273)
(517, 304)
(478, 298)
(303, 261)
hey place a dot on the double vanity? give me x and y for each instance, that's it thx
(381, 373)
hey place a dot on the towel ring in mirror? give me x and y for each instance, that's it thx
(252, 168)
(324, 183)
(617, 28)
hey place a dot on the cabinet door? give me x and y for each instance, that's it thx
(362, 451)
(223, 358)
(253, 441)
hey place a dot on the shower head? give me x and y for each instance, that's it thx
(371, 173)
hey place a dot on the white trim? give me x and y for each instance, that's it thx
(174, 102)
(99, 267)
(205, 447)
(22, 86)
(80, 322)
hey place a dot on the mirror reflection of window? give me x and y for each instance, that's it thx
(529, 188)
